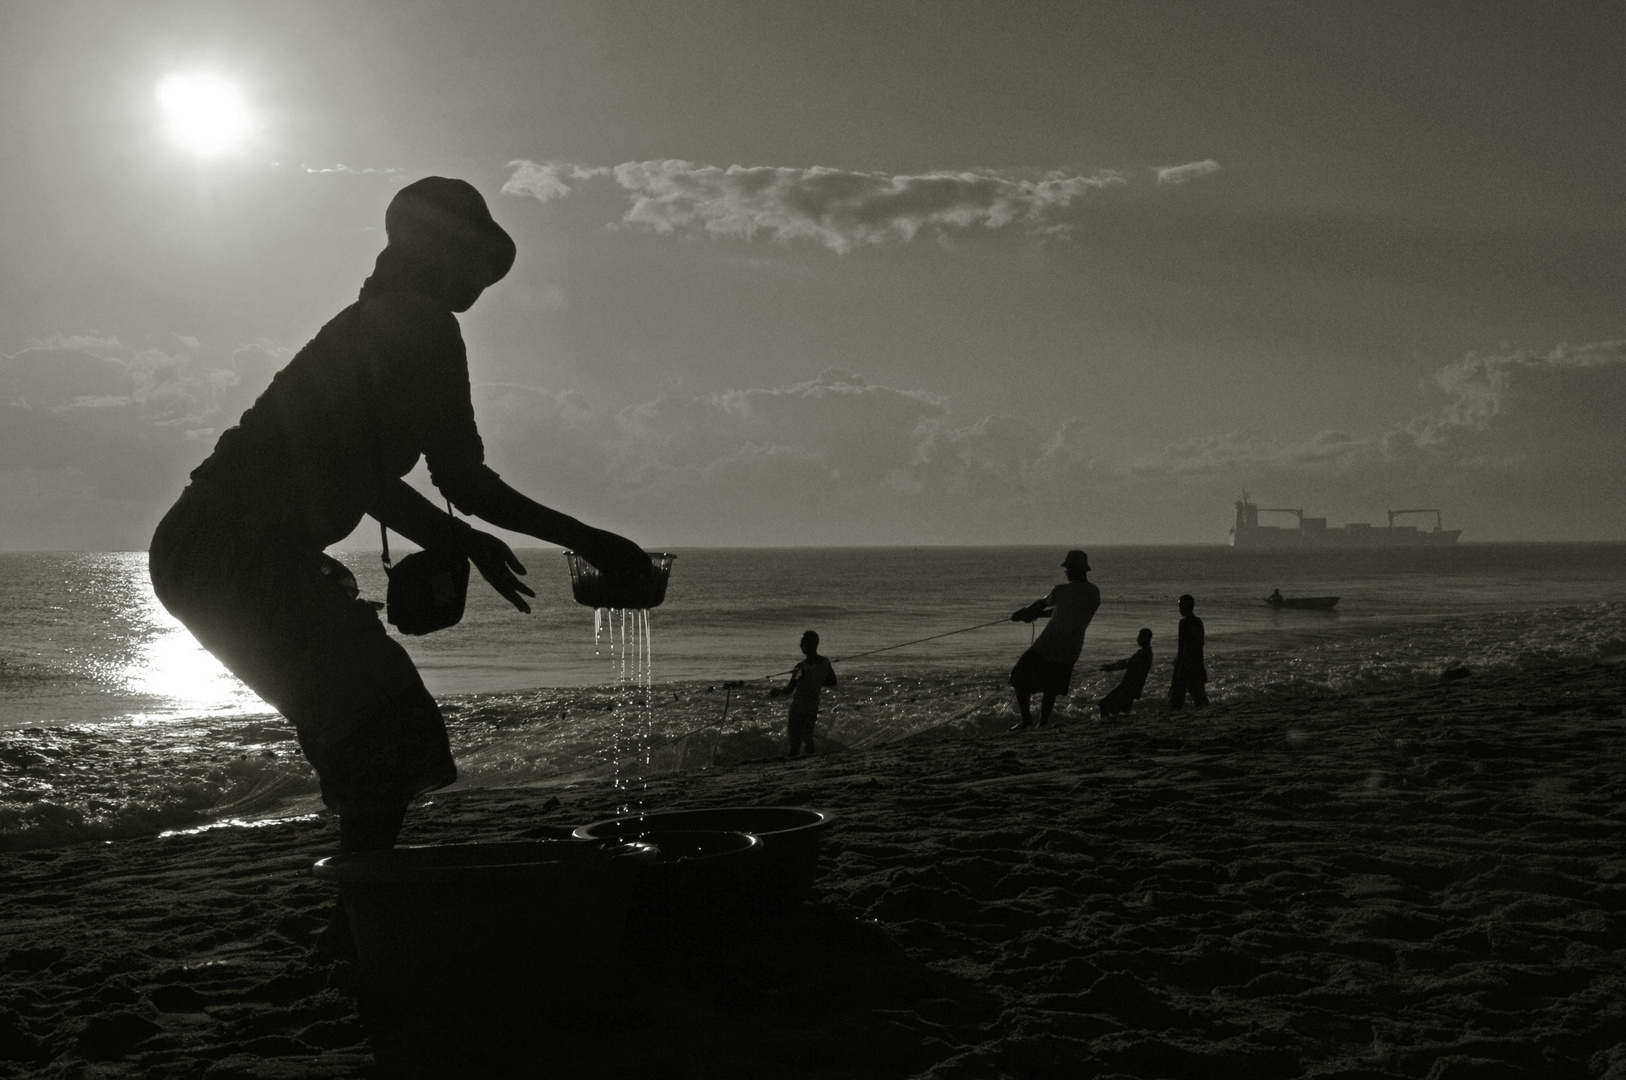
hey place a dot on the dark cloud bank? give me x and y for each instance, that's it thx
(97, 439)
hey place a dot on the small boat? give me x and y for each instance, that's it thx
(1303, 603)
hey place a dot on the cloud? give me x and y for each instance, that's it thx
(546, 180)
(351, 170)
(837, 208)
(94, 431)
(1180, 174)
(838, 459)
(856, 432)
(1518, 445)
(1482, 385)
(770, 444)
(1500, 413)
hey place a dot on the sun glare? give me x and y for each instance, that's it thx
(174, 668)
(206, 113)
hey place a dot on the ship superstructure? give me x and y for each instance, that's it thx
(1314, 532)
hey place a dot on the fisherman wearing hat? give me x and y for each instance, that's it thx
(1047, 667)
(240, 557)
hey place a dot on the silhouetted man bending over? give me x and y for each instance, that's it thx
(240, 560)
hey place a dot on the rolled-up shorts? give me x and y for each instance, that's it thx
(1035, 673)
(285, 619)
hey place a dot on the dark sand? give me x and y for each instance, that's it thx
(1419, 883)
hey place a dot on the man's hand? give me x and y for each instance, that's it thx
(496, 562)
(1029, 613)
(615, 556)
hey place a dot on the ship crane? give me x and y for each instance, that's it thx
(1312, 532)
(1438, 526)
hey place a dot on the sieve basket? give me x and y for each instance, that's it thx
(592, 589)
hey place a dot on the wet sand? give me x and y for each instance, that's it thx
(1425, 883)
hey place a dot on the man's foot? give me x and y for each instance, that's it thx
(1023, 724)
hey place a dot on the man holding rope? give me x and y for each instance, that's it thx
(1048, 666)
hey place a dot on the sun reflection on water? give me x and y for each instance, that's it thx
(175, 669)
(149, 658)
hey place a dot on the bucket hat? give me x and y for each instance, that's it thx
(439, 218)
(1076, 558)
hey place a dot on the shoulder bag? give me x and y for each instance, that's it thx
(427, 588)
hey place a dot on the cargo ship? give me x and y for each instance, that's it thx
(1312, 532)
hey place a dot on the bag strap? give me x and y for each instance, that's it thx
(384, 534)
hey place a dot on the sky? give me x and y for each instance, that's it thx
(851, 273)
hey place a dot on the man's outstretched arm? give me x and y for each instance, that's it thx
(402, 508)
(478, 491)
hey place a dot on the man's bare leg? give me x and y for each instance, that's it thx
(376, 831)
(1027, 715)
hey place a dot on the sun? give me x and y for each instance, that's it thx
(206, 114)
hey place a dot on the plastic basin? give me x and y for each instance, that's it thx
(694, 886)
(779, 877)
(471, 926)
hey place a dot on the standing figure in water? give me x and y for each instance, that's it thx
(1047, 667)
(1135, 669)
(239, 559)
(807, 679)
(1189, 672)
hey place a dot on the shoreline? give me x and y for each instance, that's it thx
(1415, 882)
(250, 772)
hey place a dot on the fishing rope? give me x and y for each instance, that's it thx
(960, 715)
(734, 684)
(899, 645)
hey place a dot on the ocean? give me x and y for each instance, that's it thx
(114, 723)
